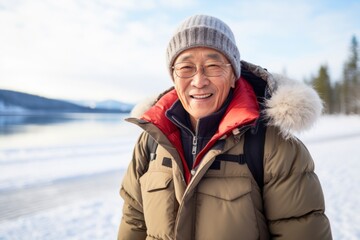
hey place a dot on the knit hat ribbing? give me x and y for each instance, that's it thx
(204, 31)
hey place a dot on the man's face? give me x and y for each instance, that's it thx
(202, 95)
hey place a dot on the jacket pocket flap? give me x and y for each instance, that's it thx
(156, 181)
(225, 188)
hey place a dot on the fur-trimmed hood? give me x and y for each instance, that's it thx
(289, 105)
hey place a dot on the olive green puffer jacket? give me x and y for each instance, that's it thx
(162, 202)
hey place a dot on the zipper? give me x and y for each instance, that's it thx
(194, 149)
(194, 136)
(183, 126)
(195, 143)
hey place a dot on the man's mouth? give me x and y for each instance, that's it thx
(201, 96)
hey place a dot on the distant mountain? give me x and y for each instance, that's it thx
(107, 104)
(18, 102)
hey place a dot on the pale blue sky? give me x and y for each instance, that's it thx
(111, 49)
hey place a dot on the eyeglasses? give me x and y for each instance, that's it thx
(187, 70)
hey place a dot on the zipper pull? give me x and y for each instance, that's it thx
(194, 147)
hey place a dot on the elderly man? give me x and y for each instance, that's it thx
(199, 181)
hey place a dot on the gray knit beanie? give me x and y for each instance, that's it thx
(204, 31)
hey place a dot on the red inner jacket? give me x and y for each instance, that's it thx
(242, 110)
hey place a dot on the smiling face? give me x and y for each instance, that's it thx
(201, 95)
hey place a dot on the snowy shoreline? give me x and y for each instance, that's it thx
(77, 183)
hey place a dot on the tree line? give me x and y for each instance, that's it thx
(342, 96)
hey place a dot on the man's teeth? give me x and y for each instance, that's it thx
(201, 96)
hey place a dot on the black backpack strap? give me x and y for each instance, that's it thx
(240, 158)
(254, 151)
(151, 147)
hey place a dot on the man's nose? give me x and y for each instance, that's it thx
(199, 80)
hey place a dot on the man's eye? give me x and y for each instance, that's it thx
(186, 67)
(213, 66)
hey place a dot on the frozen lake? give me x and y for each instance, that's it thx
(60, 175)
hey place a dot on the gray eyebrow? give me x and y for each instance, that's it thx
(214, 56)
(184, 58)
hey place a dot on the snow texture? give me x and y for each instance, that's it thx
(71, 186)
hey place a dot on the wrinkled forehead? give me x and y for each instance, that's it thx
(200, 54)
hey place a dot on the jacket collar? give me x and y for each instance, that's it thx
(207, 125)
(290, 105)
(243, 109)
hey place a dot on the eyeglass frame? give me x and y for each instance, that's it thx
(197, 69)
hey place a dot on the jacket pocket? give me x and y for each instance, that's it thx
(224, 209)
(159, 203)
(156, 181)
(228, 189)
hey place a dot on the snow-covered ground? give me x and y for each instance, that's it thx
(66, 187)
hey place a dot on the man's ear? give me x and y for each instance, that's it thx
(233, 80)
